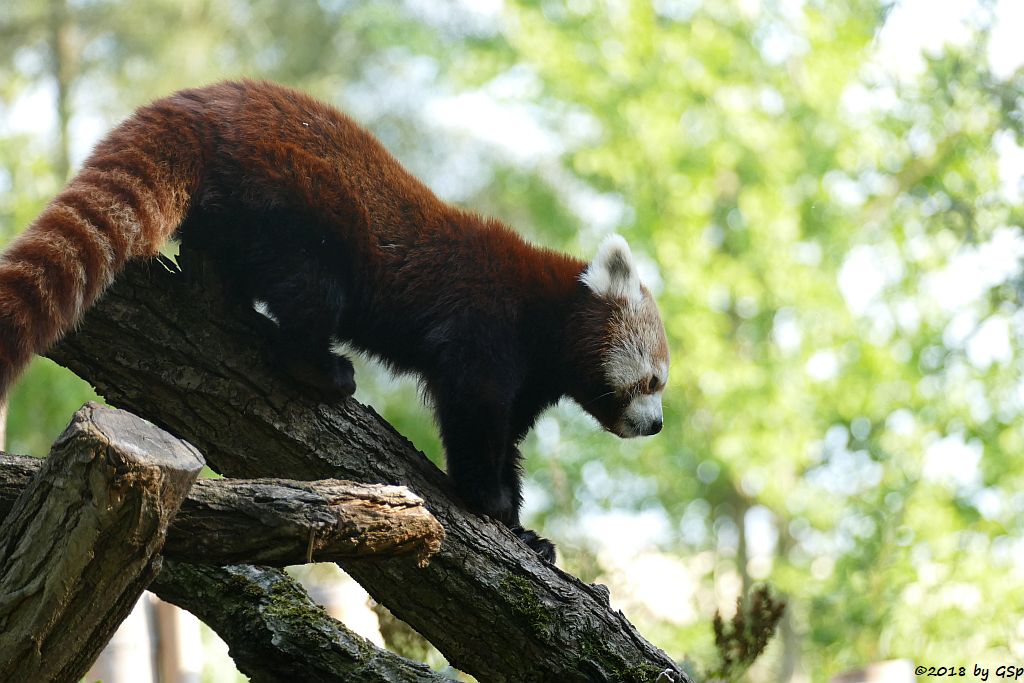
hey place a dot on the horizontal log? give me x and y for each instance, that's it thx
(278, 522)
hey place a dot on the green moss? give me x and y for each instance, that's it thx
(245, 586)
(288, 608)
(592, 649)
(518, 593)
(285, 601)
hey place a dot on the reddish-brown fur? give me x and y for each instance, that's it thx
(289, 149)
(308, 211)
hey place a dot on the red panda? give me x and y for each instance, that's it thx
(306, 212)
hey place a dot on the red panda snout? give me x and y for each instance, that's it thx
(641, 417)
(627, 413)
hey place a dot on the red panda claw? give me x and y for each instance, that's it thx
(540, 545)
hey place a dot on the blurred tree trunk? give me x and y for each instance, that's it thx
(787, 629)
(180, 653)
(128, 656)
(742, 554)
(61, 68)
(486, 601)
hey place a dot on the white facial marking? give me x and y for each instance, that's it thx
(637, 341)
(637, 335)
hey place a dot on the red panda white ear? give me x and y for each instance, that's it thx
(613, 272)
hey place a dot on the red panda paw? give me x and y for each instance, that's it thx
(539, 544)
(332, 375)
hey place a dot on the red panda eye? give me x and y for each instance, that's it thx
(652, 384)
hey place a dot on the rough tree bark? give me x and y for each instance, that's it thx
(265, 617)
(487, 602)
(278, 522)
(275, 632)
(80, 544)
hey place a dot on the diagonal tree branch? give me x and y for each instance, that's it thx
(487, 602)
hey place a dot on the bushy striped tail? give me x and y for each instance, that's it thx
(127, 200)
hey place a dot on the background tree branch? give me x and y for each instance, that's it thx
(486, 601)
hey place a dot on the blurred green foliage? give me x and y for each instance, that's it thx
(836, 261)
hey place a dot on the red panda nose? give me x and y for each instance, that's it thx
(654, 428)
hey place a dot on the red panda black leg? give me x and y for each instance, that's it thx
(475, 443)
(513, 481)
(305, 296)
(484, 466)
(306, 324)
(283, 259)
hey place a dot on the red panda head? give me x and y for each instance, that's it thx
(623, 343)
